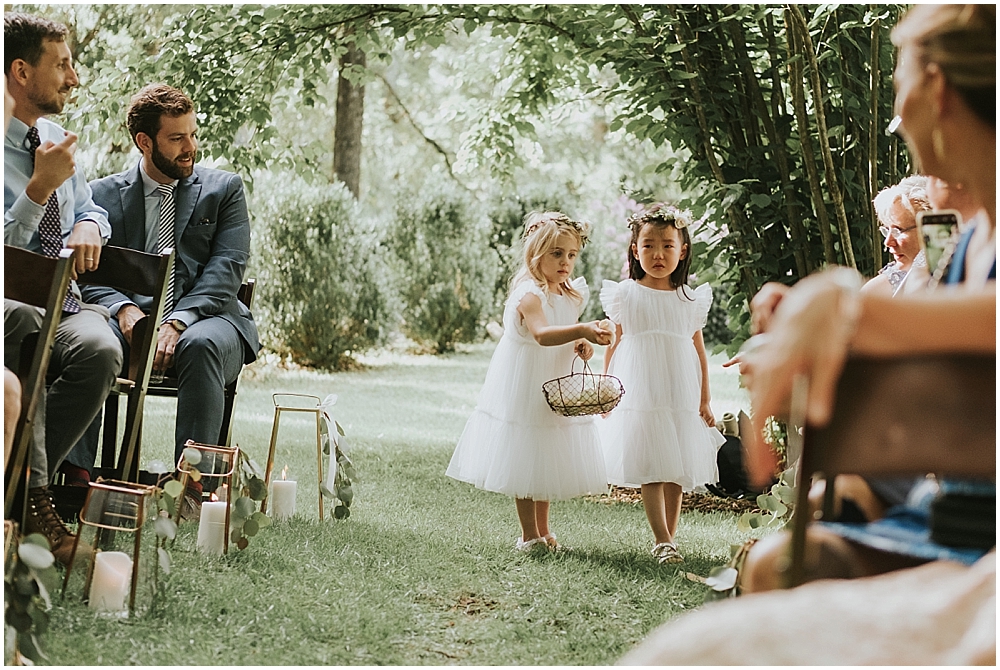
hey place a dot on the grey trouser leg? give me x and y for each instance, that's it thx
(84, 454)
(86, 358)
(209, 355)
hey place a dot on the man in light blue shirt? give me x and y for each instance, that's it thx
(48, 206)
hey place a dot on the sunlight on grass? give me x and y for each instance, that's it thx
(423, 572)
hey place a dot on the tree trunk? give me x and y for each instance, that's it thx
(832, 182)
(350, 116)
(873, 131)
(805, 140)
(776, 146)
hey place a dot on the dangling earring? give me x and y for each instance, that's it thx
(937, 141)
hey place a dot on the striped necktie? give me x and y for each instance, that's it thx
(50, 227)
(165, 239)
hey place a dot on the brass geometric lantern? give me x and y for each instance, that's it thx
(214, 467)
(112, 560)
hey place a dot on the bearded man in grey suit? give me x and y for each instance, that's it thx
(207, 334)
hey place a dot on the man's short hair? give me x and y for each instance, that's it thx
(24, 36)
(150, 104)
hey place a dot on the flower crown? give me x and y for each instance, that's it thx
(582, 229)
(679, 218)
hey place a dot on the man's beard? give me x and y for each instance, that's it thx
(169, 167)
(51, 105)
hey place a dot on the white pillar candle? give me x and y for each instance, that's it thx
(212, 528)
(282, 499)
(111, 581)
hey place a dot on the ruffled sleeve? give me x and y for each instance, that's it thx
(523, 289)
(702, 303)
(580, 286)
(611, 300)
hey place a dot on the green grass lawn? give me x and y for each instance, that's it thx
(423, 572)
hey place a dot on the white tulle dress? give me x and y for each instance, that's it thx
(656, 433)
(514, 443)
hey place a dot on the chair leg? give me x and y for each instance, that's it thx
(109, 441)
(226, 431)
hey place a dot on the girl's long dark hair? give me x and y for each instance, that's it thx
(662, 215)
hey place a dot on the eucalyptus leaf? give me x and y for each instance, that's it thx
(244, 507)
(165, 528)
(157, 467)
(170, 504)
(257, 489)
(235, 535)
(339, 428)
(39, 618)
(346, 494)
(195, 475)
(164, 559)
(24, 584)
(35, 557)
(192, 456)
(341, 512)
(250, 527)
(37, 539)
(262, 520)
(173, 488)
(20, 621)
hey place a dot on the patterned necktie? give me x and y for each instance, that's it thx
(165, 239)
(50, 227)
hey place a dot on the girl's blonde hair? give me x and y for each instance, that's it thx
(541, 230)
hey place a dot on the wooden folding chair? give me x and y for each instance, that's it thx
(143, 274)
(168, 387)
(898, 417)
(40, 281)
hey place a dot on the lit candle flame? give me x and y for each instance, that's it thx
(213, 497)
(284, 473)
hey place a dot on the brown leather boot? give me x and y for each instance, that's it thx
(41, 517)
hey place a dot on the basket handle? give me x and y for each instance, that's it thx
(586, 367)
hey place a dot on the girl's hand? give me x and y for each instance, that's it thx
(595, 333)
(705, 410)
(584, 350)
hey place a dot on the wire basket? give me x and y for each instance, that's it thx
(583, 393)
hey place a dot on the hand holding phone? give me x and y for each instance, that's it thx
(938, 232)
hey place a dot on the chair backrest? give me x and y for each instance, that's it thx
(245, 292)
(144, 274)
(42, 282)
(902, 416)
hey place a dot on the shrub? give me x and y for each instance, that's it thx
(324, 291)
(447, 270)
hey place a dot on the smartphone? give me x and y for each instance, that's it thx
(938, 232)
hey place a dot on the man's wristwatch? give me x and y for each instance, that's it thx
(178, 325)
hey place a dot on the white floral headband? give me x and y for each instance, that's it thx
(582, 229)
(679, 218)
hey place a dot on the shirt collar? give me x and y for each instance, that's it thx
(149, 184)
(17, 134)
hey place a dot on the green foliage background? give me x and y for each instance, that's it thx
(766, 120)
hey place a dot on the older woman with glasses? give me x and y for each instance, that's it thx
(897, 207)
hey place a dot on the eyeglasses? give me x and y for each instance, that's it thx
(894, 232)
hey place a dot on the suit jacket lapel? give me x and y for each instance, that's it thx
(134, 210)
(185, 198)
